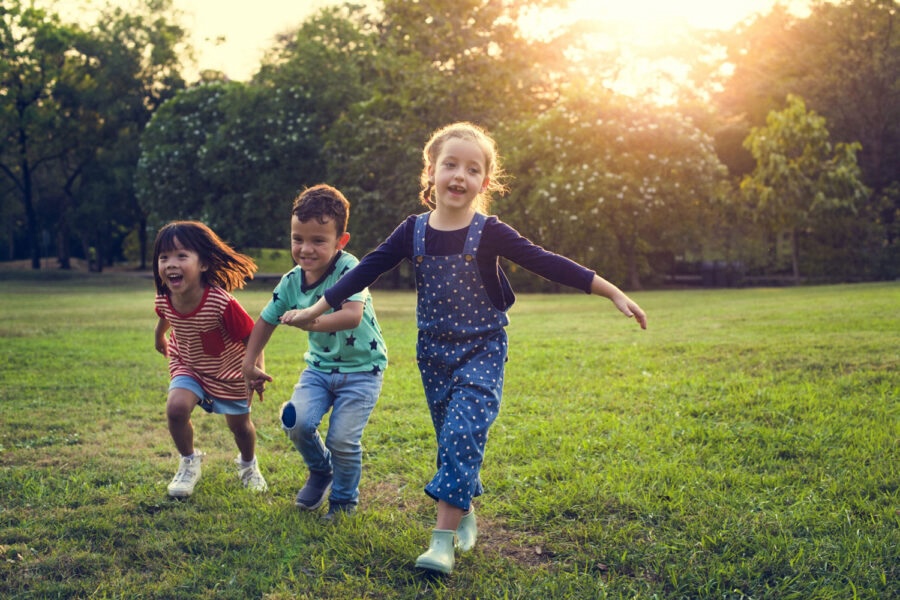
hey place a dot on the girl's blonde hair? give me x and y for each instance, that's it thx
(473, 133)
(225, 267)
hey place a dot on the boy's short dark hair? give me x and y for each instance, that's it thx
(322, 202)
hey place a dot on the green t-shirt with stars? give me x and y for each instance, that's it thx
(350, 351)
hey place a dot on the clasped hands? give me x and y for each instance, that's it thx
(301, 318)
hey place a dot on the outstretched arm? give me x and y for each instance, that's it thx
(626, 305)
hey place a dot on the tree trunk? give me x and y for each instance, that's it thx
(62, 248)
(627, 248)
(142, 241)
(795, 255)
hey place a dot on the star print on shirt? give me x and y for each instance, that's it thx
(351, 340)
(376, 370)
(373, 345)
(274, 296)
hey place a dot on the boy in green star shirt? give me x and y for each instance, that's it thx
(345, 359)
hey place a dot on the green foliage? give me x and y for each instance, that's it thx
(798, 171)
(351, 96)
(844, 60)
(77, 102)
(755, 459)
(608, 183)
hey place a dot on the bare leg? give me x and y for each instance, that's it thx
(448, 516)
(244, 435)
(179, 405)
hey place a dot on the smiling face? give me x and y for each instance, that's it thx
(180, 270)
(459, 174)
(314, 244)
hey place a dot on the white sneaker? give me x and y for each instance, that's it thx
(251, 476)
(187, 476)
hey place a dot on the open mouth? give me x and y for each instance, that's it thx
(174, 279)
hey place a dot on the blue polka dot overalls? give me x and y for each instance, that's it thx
(461, 352)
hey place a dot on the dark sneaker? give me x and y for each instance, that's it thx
(314, 492)
(337, 511)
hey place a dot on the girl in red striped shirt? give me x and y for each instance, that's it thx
(208, 331)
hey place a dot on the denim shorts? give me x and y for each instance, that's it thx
(208, 403)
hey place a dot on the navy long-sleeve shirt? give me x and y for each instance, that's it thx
(497, 240)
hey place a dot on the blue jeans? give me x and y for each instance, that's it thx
(351, 398)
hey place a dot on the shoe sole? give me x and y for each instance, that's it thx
(435, 567)
(321, 501)
(178, 494)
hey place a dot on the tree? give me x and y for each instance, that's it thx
(169, 181)
(76, 103)
(844, 60)
(609, 182)
(799, 172)
(434, 62)
(235, 155)
(33, 46)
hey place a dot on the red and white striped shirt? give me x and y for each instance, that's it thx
(208, 343)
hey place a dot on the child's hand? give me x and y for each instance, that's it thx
(298, 318)
(258, 386)
(629, 308)
(256, 379)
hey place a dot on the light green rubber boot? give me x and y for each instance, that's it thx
(440, 554)
(467, 532)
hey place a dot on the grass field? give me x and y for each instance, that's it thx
(746, 445)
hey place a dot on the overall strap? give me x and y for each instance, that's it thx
(473, 236)
(419, 235)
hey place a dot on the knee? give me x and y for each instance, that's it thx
(241, 425)
(288, 416)
(180, 405)
(342, 445)
(292, 422)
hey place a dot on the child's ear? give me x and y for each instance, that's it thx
(342, 241)
(486, 183)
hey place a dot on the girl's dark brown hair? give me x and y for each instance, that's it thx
(225, 267)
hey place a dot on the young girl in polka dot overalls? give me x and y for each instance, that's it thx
(463, 297)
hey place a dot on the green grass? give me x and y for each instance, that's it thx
(745, 446)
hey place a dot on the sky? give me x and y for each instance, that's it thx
(231, 36)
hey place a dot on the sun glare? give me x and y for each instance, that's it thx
(636, 31)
